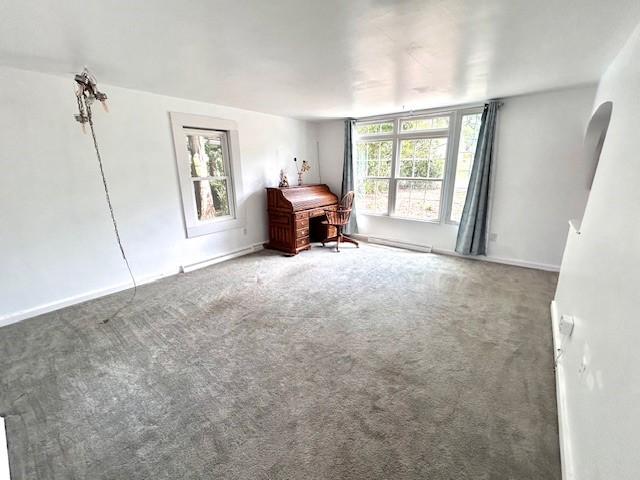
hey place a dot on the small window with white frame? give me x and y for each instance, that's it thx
(207, 154)
(210, 173)
(416, 167)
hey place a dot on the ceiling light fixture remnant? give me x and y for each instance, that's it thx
(86, 94)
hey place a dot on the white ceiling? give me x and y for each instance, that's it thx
(321, 58)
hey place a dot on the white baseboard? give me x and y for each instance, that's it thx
(399, 244)
(442, 251)
(221, 258)
(93, 294)
(555, 324)
(4, 455)
(505, 261)
(75, 299)
(563, 429)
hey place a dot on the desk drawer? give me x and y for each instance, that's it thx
(302, 223)
(302, 242)
(318, 212)
(302, 232)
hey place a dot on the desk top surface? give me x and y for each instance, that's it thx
(302, 197)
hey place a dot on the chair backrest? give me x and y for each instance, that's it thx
(342, 215)
(347, 201)
(338, 217)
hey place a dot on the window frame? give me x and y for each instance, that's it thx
(184, 124)
(454, 163)
(368, 135)
(451, 133)
(373, 139)
(224, 143)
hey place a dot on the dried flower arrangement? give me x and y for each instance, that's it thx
(302, 170)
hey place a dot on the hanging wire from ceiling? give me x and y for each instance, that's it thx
(86, 94)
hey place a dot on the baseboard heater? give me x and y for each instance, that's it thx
(396, 243)
(221, 258)
(4, 455)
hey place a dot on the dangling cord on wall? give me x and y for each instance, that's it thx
(113, 218)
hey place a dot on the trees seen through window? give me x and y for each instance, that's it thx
(417, 167)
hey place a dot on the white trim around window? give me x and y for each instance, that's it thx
(223, 134)
(386, 165)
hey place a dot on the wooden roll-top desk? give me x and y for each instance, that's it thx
(295, 216)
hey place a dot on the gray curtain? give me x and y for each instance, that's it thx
(348, 174)
(472, 232)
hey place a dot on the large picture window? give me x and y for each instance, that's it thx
(416, 167)
(208, 158)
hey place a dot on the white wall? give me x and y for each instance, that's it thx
(331, 153)
(599, 370)
(536, 187)
(540, 174)
(56, 239)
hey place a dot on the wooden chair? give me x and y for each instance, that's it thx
(339, 219)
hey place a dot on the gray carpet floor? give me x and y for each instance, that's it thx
(373, 363)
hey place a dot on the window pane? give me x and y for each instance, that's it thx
(468, 140)
(212, 198)
(374, 158)
(205, 154)
(419, 199)
(213, 151)
(373, 195)
(197, 156)
(379, 128)
(423, 157)
(425, 123)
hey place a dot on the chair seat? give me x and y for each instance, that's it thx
(326, 222)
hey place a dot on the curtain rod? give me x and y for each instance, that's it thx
(427, 111)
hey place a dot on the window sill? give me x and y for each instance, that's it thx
(404, 219)
(214, 227)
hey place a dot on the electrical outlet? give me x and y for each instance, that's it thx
(566, 325)
(493, 237)
(244, 231)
